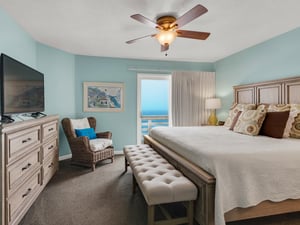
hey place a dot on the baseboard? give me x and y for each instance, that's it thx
(64, 157)
(119, 152)
(69, 156)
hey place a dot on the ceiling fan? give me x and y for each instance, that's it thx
(168, 27)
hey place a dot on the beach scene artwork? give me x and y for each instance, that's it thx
(100, 96)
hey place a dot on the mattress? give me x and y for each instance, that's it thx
(248, 169)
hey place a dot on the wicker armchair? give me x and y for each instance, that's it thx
(82, 153)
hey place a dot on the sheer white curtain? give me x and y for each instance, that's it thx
(189, 91)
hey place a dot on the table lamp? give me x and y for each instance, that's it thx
(212, 104)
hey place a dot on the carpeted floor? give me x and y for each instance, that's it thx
(77, 196)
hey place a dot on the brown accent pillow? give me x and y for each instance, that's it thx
(235, 120)
(274, 124)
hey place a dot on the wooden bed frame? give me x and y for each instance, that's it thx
(281, 91)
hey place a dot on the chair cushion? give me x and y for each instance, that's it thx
(80, 123)
(89, 132)
(100, 143)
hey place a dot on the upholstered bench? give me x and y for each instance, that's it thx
(159, 182)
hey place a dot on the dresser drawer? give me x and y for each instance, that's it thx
(21, 142)
(49, 129)
(50, 166)
(22, 169)
(20, 201)
(49, 147)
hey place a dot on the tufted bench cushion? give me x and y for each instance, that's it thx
(158, 180)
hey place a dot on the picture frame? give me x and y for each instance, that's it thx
(103, 97)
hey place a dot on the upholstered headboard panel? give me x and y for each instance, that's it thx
(281, 91)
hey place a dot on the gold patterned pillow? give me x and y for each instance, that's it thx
(278, 107)
(292, 128)
(250, 121)
(234, 110)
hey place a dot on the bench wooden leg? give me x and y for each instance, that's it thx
(126, 165)
(190, 212)
(134, 184)
(151, 210)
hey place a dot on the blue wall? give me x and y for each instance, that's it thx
(273, 59)
(58, 68)
(15, 42)
(97, 69)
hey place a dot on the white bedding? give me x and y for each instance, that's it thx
(248, 169)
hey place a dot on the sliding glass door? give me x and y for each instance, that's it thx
(153, 103)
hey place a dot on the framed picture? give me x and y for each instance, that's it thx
(103, 97)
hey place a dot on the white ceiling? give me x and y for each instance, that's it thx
(101, 27)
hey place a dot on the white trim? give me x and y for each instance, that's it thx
(64, 157)
(144, 76)
(119, 152)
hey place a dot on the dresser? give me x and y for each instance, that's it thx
(29, 158)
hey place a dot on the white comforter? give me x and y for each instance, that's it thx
(248, 170)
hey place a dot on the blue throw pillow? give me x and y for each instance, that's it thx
(89, 132)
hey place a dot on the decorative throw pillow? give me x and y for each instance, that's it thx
(274, 124)
(80, 123)
(295, 131)
(235, 120)
(89, 132)
(278, 107)
(250, 121)
(294, 121)
(294, 113)
(234, 110)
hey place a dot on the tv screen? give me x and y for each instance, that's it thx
(22, 88)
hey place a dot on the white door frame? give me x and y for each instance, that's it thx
(144, 76)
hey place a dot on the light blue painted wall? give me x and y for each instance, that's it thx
(57, 66)
(97, 69)
(15, 42)
(273, 59)
(59, 74)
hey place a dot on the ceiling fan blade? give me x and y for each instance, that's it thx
(192, 34)
(145, 20)
(164, 47)
(136, 39)
(190, 15)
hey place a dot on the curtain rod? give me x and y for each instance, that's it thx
(148, 70)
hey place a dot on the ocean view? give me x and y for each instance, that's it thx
(155, 112)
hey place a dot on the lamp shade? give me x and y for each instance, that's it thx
(212, 103)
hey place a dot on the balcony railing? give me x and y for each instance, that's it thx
(148, 122)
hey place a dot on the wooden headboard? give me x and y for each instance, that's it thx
(283, 91)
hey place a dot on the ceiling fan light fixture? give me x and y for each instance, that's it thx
(166, 36)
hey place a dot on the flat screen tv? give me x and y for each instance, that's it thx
(22, 88)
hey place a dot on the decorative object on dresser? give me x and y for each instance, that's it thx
(87, 146)
(212, 104)
(29, 158)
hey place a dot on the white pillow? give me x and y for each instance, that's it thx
(100, 143)
(80, 123)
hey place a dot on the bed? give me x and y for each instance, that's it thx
(210, 208)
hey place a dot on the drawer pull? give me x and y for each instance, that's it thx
(50, 165)
(26, 167)
(50, 147)
(27, 193)
(51, 129)
(24, 141)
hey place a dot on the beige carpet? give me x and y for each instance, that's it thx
(77, 196)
